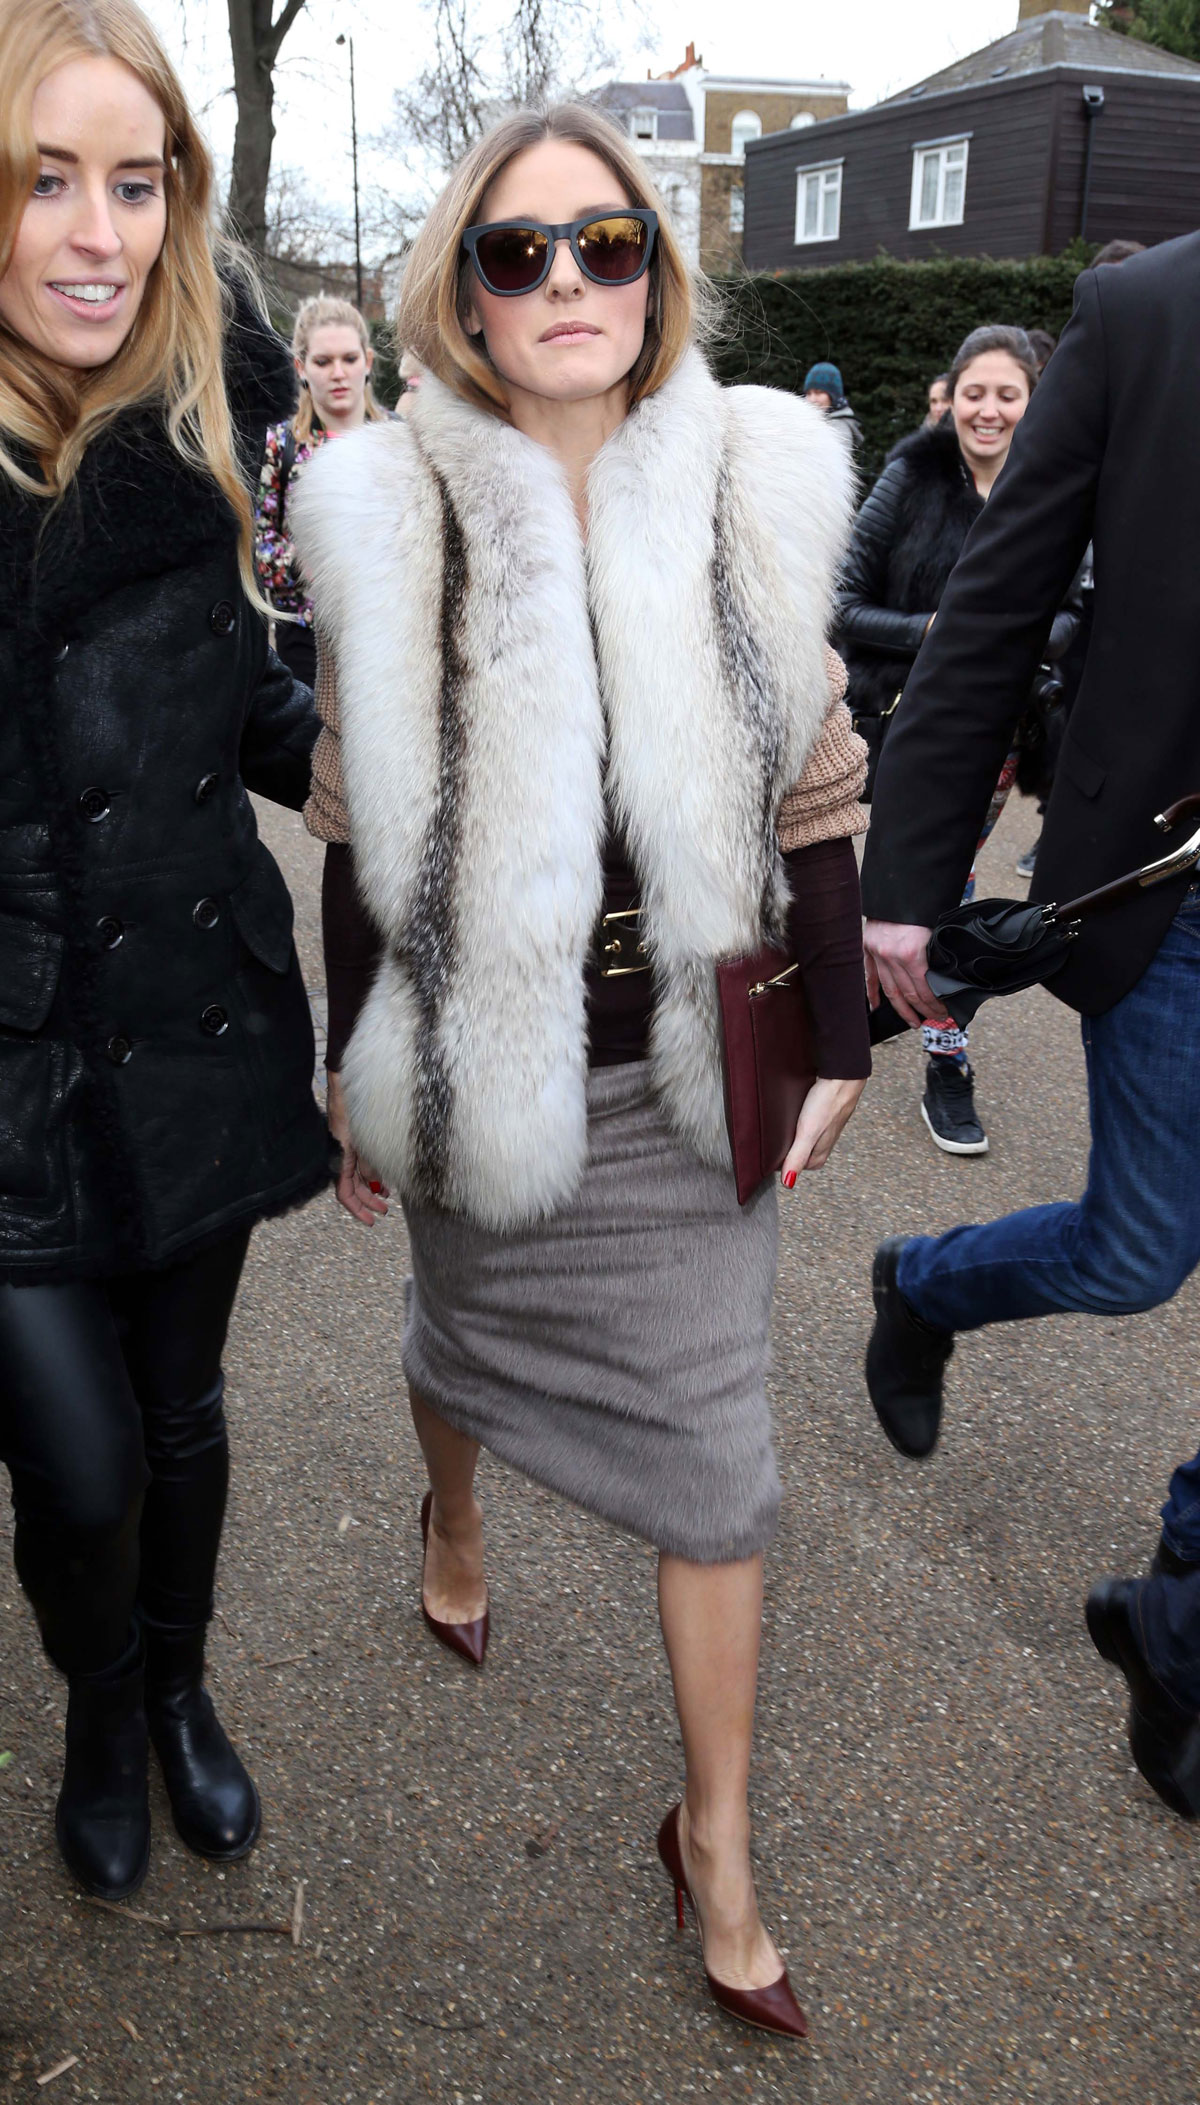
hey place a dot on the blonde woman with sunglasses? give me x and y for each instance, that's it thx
(580, 744)
(155, 1044)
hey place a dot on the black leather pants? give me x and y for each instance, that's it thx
(112, 1428)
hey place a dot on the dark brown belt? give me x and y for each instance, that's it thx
(617, 947)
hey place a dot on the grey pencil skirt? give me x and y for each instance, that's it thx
(615, 1352)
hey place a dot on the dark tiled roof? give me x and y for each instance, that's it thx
(1056, 39)
(668, 97)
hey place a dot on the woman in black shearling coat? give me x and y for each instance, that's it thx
(156, 1049)
(906, 540)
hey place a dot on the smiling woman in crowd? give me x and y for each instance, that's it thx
(576, 609)
(906, 540)
(155, 1044)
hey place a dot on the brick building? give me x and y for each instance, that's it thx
(693, 127)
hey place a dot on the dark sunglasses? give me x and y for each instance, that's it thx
(611, 248)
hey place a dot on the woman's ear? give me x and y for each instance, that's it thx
(473, 320)
(369, 359)
(299, 365)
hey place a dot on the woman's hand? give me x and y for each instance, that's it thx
(359, 1190)
(828, 1108)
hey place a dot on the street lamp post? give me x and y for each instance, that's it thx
(358, 277)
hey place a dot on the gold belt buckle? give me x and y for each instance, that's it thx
(621, 952)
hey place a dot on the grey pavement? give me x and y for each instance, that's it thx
(978, 1898)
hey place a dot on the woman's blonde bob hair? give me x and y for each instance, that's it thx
(173, 354)
(323, 311)
(437, 281)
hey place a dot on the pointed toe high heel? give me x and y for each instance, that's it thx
(773, 2008)
(468, 1641)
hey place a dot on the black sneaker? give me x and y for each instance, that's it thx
(948, 1107)
(906, 1359)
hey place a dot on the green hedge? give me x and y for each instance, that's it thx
(889, 326)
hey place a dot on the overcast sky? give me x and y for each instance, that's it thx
(876, 45)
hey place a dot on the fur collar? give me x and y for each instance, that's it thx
(937, 509)
(494, 678)
(933, 455)
(136, 510)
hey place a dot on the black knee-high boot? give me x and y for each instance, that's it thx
(102, 1819)
(213, 1801)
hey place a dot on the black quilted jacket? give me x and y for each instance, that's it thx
(156, 1050)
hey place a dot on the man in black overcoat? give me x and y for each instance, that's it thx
(1107, 451)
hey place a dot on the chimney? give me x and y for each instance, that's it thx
(1030, 9)
(690, 62)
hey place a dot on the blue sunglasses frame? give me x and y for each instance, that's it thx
(569, 231)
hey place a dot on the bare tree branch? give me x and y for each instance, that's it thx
(484, 66)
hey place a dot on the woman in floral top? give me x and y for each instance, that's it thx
(333, 358)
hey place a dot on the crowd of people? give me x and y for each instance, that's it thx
(553, 683)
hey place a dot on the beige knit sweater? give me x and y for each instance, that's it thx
(822, 806)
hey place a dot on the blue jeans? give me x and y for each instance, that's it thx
(1134, 1237)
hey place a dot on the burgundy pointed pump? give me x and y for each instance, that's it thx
(773, 2008)
(468, 1641)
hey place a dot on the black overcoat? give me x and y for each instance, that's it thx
(1106, 451)
(156, 1048)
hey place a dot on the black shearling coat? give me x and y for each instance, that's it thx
(156, 1049)
(906, 541)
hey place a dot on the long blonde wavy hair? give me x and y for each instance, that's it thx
(437, 281)
(173, 353)
(323, 311)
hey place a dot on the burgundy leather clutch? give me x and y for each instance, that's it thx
(769, 1061)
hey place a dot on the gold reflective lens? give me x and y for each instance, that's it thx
(613, 248)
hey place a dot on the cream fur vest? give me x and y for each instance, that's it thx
(493, 674)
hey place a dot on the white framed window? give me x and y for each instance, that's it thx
(819, 202)
(737, 210)
(643, 124)
(746, 125)
(801, 121)
(939, 183)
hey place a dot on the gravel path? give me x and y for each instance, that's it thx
(978, 1898)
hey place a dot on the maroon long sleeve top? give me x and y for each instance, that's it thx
(824, 936)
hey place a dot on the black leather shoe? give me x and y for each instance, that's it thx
(213, 1801)
(1167, 1560)
(905, 1362)
(1164, 1739)
(102, 1819)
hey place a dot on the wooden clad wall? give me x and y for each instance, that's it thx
(1146, 166)
(1024, 176)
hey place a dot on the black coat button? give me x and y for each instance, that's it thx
(206, 913)
(222, 619)
(59, 647)
(214, 1020)
(205, 787)
(110, 931)
(119, 1050)
(94, 806)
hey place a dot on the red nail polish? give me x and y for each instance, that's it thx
(376, 1186)
(789, 1178)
